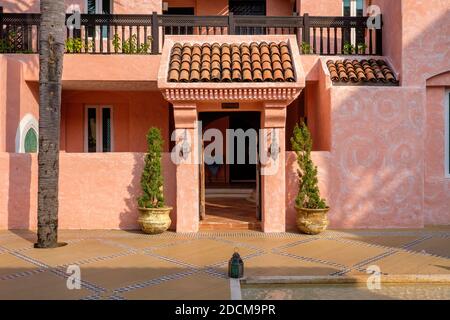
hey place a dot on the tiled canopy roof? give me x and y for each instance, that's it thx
(254, 62)
(362, 72)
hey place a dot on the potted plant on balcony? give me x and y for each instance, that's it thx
(154, 216)
(311, 208)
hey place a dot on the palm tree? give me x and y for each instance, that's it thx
(51, 52)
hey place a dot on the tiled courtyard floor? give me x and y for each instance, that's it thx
(131, 265)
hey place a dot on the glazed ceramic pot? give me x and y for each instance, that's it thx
(312, 221)
(154, 220)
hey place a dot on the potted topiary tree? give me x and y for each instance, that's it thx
(154, 216)
(311, 208)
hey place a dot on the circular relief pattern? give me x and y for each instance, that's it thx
(387, 110)
(415, 114)
(404, 147)
(348, 109)
(361, 153)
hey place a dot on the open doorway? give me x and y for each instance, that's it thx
(230, 184)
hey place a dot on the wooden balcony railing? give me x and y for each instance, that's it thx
(144, 34)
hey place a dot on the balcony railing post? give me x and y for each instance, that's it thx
(76, 32)
(306, 28)
(155, 33)
(379, 38)
(1, 23)
(231, 26)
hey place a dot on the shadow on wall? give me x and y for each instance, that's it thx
(19, 191)
(376, 161)
(19, 6)
(129, 216)
(322, 160)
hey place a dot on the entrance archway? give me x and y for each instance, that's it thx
(230, 190)
(203, 73)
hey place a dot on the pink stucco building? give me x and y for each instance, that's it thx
(375, 99)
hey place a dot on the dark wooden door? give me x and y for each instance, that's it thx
(202, 183)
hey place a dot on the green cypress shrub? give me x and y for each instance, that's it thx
(308, 194)
(152, 179)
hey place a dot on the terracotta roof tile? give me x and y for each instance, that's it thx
(247, 75)
(235, 62)
(237, 75)
(361, 72)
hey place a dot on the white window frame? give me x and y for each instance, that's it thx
(28, 122)
(98, 6)
(353, 8)
(353, 14)
(98, 127)
(447, 133)
(98, 10)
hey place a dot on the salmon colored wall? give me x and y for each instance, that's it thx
(426, 40)
(133, 114)
(137, 7)
(18, 191)
(119, 6)
(20, 6)
(92, 70)
(17, 98)
(279, 7)
(211, 8)
(220, 7)
(318, 115)
(392, 41)
(96, 191)
(321, 7)
(318, 110)
(3, 79)
(322, 161)
(377, 157)
(106, 197)
(437, 186)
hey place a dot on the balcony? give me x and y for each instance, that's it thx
(144, 34)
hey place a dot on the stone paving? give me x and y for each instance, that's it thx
(131, 265)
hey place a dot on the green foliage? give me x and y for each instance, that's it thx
(152, 179)
(308, 194)
(76, 45)
(361, 48)
(305, 47)
(348, 48)
(130, 46)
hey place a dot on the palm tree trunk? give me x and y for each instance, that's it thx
(51, 52)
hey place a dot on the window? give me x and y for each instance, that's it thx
(447, 133)
(31, 143)
(187, 11)
(354, 8)
(247, 7)
(27, 135)
(98, 7)
(98, 129)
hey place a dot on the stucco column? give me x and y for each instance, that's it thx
(273, 181)
(187, 169)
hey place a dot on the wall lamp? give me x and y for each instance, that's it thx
(185, 149)
(274, 148)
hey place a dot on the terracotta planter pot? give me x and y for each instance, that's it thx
(312, 221)
(154, 220)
